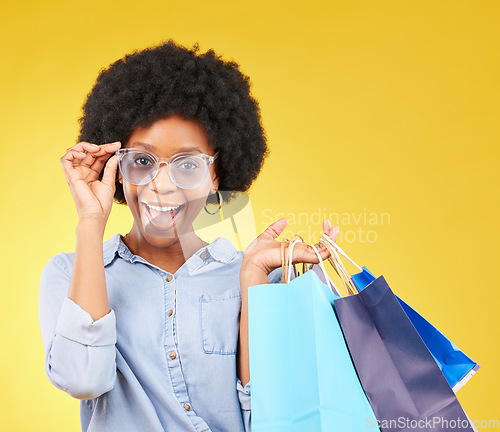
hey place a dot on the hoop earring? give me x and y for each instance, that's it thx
(220, 204)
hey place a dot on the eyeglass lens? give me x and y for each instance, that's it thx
(185, 170)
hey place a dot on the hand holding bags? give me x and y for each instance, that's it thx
(302, 375)
(401, 379)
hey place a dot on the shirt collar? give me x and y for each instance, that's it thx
(221, 249)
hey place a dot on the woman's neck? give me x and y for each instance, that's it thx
(168, 254)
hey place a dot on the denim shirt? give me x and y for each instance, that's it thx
(164, 357)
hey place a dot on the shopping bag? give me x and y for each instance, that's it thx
(303, 378)
(456, 366)
(400, 377)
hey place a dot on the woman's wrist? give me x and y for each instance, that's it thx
(251, 275)
(90, 227)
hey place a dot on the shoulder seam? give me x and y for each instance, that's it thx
(61, 264)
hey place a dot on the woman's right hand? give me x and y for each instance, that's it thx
(82, 165)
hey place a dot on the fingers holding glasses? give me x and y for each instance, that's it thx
(88, 156)
(73, 157)
(105, 152)
(110, 169)
(97, 156)
(82, 165)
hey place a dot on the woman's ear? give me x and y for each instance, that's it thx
(215, 181)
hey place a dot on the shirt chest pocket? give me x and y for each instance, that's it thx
(220, 322)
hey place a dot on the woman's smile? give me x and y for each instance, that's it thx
(162, 216)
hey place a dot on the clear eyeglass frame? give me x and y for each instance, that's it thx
(207, 159)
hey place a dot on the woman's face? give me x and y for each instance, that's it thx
(165, 138)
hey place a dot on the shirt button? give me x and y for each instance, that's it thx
(172, 355)
(187, 407)
(170, 312)
(169, 278)
(203, 254)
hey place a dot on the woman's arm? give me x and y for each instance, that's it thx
(80, 352)
(249, 276)
(88, 283)
(82, 165)
(78, 327)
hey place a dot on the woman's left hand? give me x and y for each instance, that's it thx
(263, 255)
(260, 258)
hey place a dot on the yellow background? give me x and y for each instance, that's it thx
(371, 107)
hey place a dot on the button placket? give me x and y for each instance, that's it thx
(171, 350)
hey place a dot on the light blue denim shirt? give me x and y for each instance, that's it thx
(164, 357)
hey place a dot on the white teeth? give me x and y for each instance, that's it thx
(162, 208)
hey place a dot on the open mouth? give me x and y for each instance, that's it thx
(163, 217)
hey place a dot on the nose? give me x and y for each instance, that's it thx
(162, 183)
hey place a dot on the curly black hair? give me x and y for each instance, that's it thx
(151, 84)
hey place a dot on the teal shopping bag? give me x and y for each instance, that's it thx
(301, 372)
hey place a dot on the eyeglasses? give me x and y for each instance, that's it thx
(187, 171)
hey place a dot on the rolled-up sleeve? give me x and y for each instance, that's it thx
(275, 276)
(244, 398)
(80, 354)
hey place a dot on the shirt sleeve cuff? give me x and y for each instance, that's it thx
(275, 276)
(244, 395)
(76, 324)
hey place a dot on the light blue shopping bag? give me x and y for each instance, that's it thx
(302, 376)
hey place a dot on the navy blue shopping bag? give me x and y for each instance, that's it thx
(400, 377)
(456, 366)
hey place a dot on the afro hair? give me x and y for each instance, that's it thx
(151, 84)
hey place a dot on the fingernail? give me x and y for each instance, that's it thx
(117, 142)
(329, 223)
(95, 145)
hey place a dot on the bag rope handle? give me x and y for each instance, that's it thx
(338, 249)
(338, 265)
(290, 259)
(285, 262)
(329, 282)
(333, 287)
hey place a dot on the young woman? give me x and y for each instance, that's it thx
(149, 330)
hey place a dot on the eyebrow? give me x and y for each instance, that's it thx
(152, 148)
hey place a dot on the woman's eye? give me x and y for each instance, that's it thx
(189, 165)
(142, 161)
